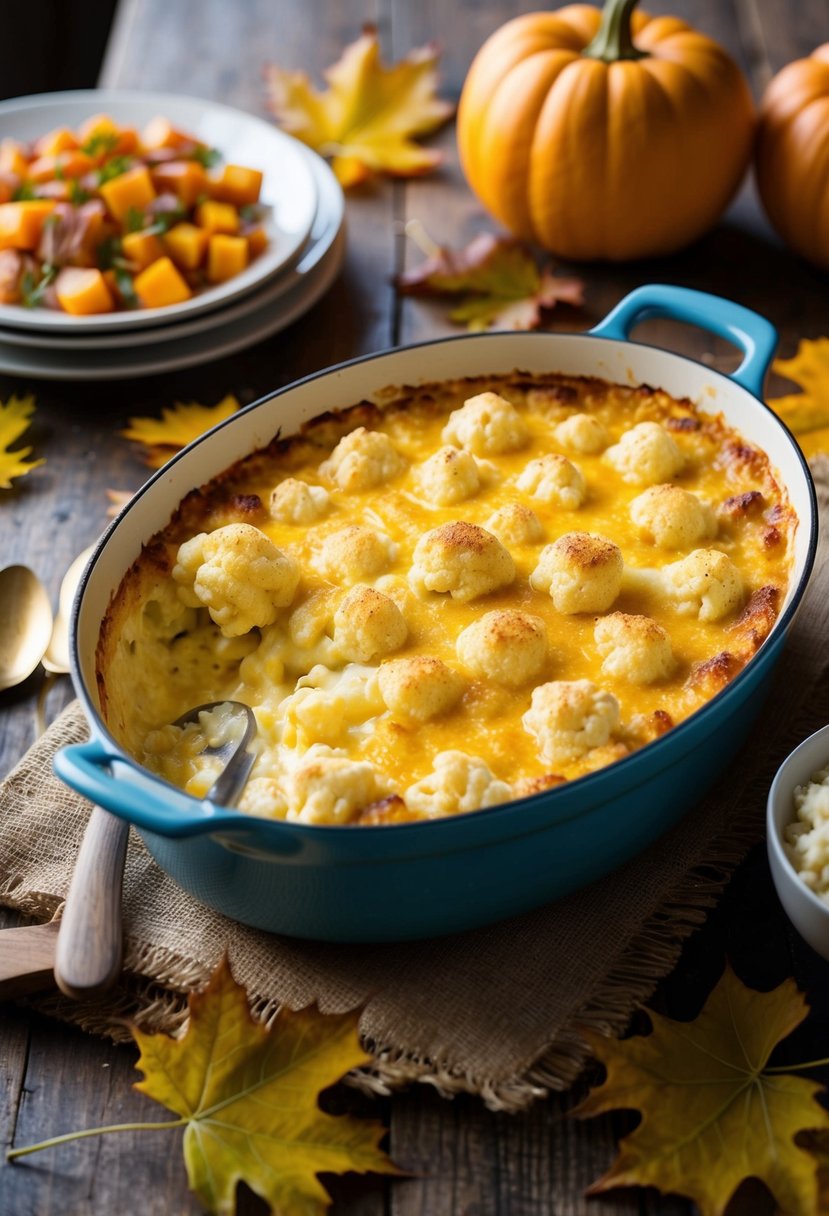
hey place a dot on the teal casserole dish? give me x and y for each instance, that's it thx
(410, 880)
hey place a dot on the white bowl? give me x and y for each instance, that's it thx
(288, 189)
(808, 914)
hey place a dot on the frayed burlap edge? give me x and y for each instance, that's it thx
(160, 1004)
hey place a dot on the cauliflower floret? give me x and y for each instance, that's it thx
(295, 502)
(506, 646)
(332, 789)
(264, 796)
(515, 524)
(451, 475)
(238, 574)
(568, 718)
(326, 704)
(419, 688)
(673, 518)
(634, 648)
(355, 554)
(646, 455)
(706, 584)
(581, 572)
(363, 459)
(458, 783)
(554, 479)
(461, 558)
(486, 425)
(581, 433)
(368, 625)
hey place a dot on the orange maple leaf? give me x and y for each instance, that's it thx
(15, 417)
(806, 413)
(178, 425)
(713, 1111)
(367, 118)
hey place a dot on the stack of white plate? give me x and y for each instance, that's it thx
(305, 225)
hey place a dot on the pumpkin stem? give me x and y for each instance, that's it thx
(613, 39)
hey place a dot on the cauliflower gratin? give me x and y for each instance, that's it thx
(471, 593)
(806, 839)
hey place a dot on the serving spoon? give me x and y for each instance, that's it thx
(89, 949)
(25, 624)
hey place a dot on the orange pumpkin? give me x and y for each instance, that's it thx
(792, 162)
(604, 135)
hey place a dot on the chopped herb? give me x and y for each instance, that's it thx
(110, 252)
(163, 221)
(134, 221)
(201, 198)
(60, 176)
(101, 141)
(207, 157)
(249, 212)
(114, 168)
(24, 193)
(77, 194)
(123, 281)
(33, 288)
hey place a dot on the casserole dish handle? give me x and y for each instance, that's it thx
(86, 767)
(752, 334)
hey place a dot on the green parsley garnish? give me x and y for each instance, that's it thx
(163, 221)
(33, 288)
(101, 141)
(114, 168)
(24, 192)
(207, 157)
(77, 194)
(123, 281)
(111, 255)
(134, 220)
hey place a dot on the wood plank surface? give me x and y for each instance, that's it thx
(466, 1161)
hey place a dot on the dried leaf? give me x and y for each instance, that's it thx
(501, 285)
(177, 426)
(806, 413)
(15, 416)
(713, 1113)
(248, 1095)
(367, 118)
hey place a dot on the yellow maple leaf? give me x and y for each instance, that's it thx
(246, 1095)
(15, 416)
(713, 1112)
(367, 118)
(178, 425)
(806, 413)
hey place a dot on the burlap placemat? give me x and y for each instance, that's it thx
(494, 1012)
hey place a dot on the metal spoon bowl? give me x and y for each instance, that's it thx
(25, 624)
(90, 947)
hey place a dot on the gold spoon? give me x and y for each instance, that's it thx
(56, 658)
(25, 624)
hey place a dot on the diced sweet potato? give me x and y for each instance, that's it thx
(13, 158)
(218, 217)
(160, 133)
(102, 137)
(161, 284)
(22, 223)
(236, 184)
(11, 272)
(184, 178)
(142, 248)
(8, 185)
(59, 140)
(186, 245)
(257, 240)
(132, 190)
(62, 164)
(226, 257)
(82, 292)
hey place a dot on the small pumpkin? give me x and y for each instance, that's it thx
(604, 135)
(792, 160)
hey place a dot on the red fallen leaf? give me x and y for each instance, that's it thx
(498, 279)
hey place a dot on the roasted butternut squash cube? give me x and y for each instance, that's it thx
(226, 257)
(8, 185)
(101, 137)
(236, 184)
(161, 284)
(82, 292)
(218, 217)
(21, 224)
(160, 133)
(59, 140)
(13, 158)
(184, 178)
(257, 240)
(142, 248)
(186, 245)
(61, 164)
(132, 190)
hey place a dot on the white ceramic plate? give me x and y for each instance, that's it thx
(288, 189)
(327, 224)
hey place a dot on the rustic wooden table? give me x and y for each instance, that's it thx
(466, 1159)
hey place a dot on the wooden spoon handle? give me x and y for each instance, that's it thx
(90, 947)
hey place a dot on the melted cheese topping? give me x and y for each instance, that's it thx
(534, 693)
